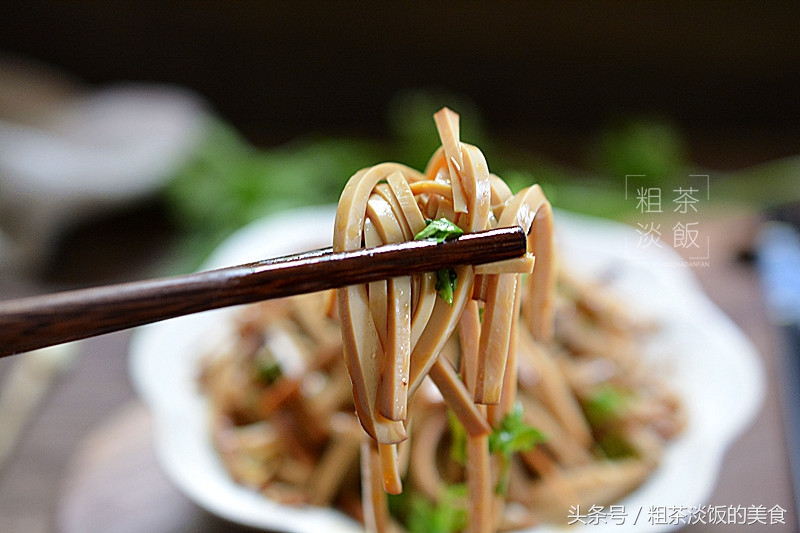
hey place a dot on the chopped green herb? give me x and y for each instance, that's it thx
(458, 439)
(513, 435)
(446, 283)
(439, 231)
(615, 446)
(269, 372)
(605, 409)
(421, 515)
(606, 405)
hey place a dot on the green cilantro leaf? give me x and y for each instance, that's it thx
(269, 372)
(421, 515)
(267, 369)
(439, 231)
(446, 283)
(513, 435)
(605, 405)
(458, 439)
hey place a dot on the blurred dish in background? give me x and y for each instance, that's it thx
(68, 153)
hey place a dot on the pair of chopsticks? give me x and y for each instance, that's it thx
(31, 323)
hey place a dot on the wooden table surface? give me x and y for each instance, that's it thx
(85, 462)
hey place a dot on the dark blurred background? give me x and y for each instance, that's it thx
(724, 71)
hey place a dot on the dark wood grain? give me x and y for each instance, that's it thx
(31, 323)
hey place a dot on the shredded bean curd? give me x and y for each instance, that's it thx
(520, 394)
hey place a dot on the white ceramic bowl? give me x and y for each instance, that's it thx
(709, 361)
(90, 154)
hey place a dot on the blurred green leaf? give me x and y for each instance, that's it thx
(653, 148)
(421, 515)
(230, 183)
(763, 186)
(414, 135)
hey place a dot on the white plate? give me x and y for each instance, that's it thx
(710, 362)
(90, 155)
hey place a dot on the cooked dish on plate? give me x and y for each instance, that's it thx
(510, 396)
(538, 400)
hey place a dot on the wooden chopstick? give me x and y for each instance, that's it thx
(30, 323)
